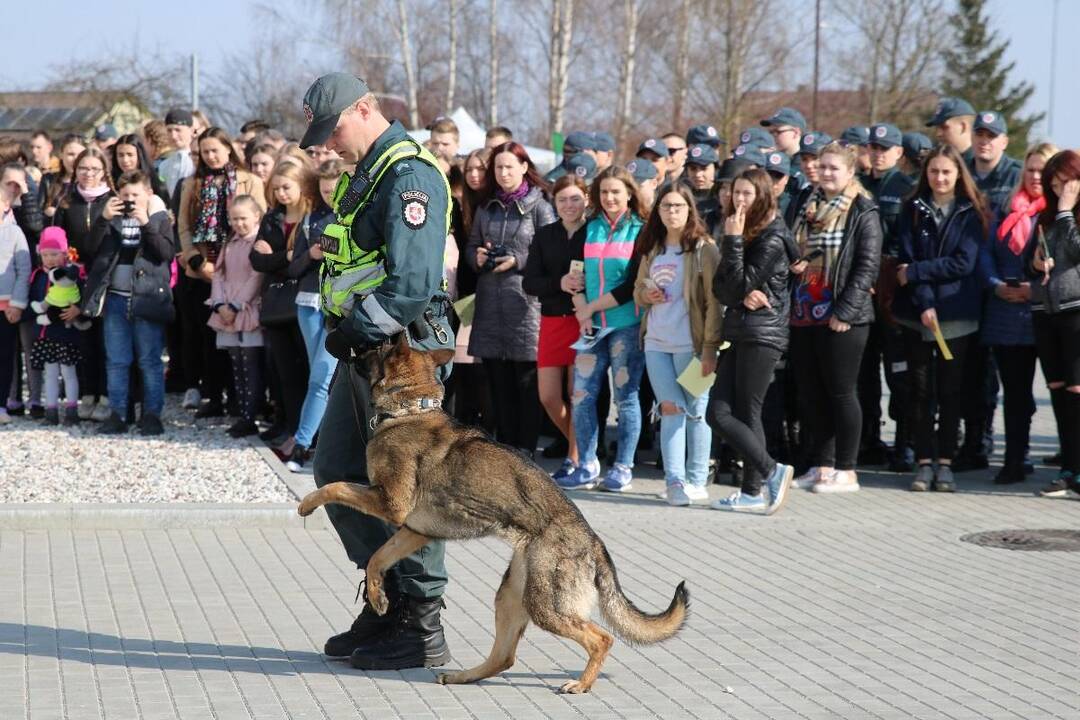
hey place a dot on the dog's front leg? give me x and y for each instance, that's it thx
(401, 544)
(368, 500)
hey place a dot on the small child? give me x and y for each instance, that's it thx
(234, 299)
(56, 349)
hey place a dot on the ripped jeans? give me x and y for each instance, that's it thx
(685, 437)
(619, 351)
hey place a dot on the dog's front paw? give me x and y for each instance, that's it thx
(311, 502)
(450, 678)
(376, 597)
(574, 687)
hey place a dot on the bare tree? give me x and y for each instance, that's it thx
(408, 64)
(631, 14)
(682, 65)
(493, 63)
(154, 80)
(562, 34)
(451, 65)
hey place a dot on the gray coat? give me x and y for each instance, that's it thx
(14, 266)
(1062, 293)
(507, 320)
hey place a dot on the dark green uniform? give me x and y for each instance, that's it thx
(407, 216)
(889, 192)
(998, 184)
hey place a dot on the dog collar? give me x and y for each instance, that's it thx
(414, 407)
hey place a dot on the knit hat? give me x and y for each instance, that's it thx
(53, 238)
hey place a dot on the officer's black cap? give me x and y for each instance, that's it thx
(324, 102)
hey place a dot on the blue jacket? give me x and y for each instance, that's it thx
(1003, 323)
(941, 262)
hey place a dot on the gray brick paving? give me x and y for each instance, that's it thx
(862, 606)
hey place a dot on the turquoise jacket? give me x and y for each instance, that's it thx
(608, 251)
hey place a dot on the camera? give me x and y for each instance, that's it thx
(129, 207)
(495, 255)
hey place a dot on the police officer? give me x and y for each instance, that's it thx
(996, 174)
(778, 165)
(583, 166)
(889, 186)
(952, 121)
(858, 136)
(604, 152)
(381, 276)
(677, 149)
(576, 142)
(810, 146)
(655, 151)
(701, 161)
(916, 147)
(647, 178)
(704, 135)
(786, 127)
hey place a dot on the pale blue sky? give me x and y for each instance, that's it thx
(57, 30)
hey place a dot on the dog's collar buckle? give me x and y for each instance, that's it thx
(406, 408)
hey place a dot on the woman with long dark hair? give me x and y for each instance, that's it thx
(940, 231)
(55, 185)
(752, 281)
(127, 155)
(1053, 265)
(507, 319)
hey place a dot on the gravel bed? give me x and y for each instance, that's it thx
(194, 461)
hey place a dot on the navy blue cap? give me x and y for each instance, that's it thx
(702, 154)
(855, 135)
(704, 135)
(642, 170)
(581, 164)
(653, 145)
(751, 152)
(786, 116)
(778, 163)
(812, 142)
(949, 107)
(580, 140)
(886, 135)
(603, 142)
(757, 136)
(105, 131)
(915, 143)
(991, 121)
(733, 168)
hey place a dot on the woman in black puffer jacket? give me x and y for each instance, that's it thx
(831, 315)
(752, 281)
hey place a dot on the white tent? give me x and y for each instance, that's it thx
(472, 137)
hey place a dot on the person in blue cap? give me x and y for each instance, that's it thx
(751, 152)
(953, 122)
(778, 165)
(859, 136)
(916, 147)
(576, 142)
(604, 150)
(786, 127)
(655, 151)
(105, 136)
(995, 173)
(758, 136)
(647, 178)
(381, 279)
(581, 165)
(810, 146)
(704, 135)
(701, 161)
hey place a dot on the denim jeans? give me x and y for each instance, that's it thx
(322, 365)
(128, 339)
(619, 350)
(685, 438)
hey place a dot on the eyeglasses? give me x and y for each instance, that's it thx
(89, 170)
(774, 131)
(676, 149)
(673, 207)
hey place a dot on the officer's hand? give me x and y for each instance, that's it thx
(315, 252)
(338, 345)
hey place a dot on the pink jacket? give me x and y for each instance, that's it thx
(236, 282)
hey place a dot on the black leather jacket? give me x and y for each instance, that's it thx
(761, 264)
(855, 271)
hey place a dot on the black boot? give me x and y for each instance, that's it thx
(367, 627)
(415, 640)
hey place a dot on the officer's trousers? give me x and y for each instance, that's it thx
(340, 455)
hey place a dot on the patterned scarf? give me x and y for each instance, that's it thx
(512, 197)
(822, 223)
(212, 221)
(1015, 226)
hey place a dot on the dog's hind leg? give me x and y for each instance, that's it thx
(511, 619)
(401, 544)
(596, 641)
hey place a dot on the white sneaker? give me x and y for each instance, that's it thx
(102, 412)
(192, 399)
(841, 481)
(676, 495)
(696, 492)
(86, 407)
(808, 478)
(4, 417)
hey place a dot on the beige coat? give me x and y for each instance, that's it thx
(246, 184)
(705, 311)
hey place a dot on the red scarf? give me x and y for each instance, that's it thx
(1022, 207)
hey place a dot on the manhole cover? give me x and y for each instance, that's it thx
(1062, 540)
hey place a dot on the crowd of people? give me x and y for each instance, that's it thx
(742, 300)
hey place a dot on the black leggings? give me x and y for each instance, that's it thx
(1016, 365)
(1057, 338)
(247, 377)
(516, 401)
(827, 365)
(91, 368)
(205, 366)
(289, 357)
(744, 375)
(924, 360)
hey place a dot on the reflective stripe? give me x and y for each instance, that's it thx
(384, 322)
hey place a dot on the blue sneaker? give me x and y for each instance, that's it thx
(737, 502)
(583, 477)
(618, 478)
(778, 484)
(564, 470)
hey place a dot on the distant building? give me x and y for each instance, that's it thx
(21, 113)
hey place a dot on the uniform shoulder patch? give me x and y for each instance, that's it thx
(403, 168)
(414, 206)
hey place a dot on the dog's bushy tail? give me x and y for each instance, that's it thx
(628, 621)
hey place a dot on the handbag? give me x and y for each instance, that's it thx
(279, 302)
(151, 296)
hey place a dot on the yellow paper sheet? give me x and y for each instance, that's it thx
(465, 309)
(693, 382)
(942, 345)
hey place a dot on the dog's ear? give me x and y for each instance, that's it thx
(441, 357)
(399, 344)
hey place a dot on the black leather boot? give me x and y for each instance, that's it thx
(367, 627)
(415, 640)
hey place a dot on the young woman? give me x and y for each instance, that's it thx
(752, 281)
(831, 314)
(507, 320)
(127, 155)
(548, 276)
(1007, 323)
(203, 227)
(295, 191)
(940, 230)
(55, 186)
(128, 288)
(1053, 266)
(609, 311)
(681, 321)
(261, 161)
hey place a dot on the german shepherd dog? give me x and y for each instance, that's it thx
(436, 479)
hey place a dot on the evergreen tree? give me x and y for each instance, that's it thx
(974, 71)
